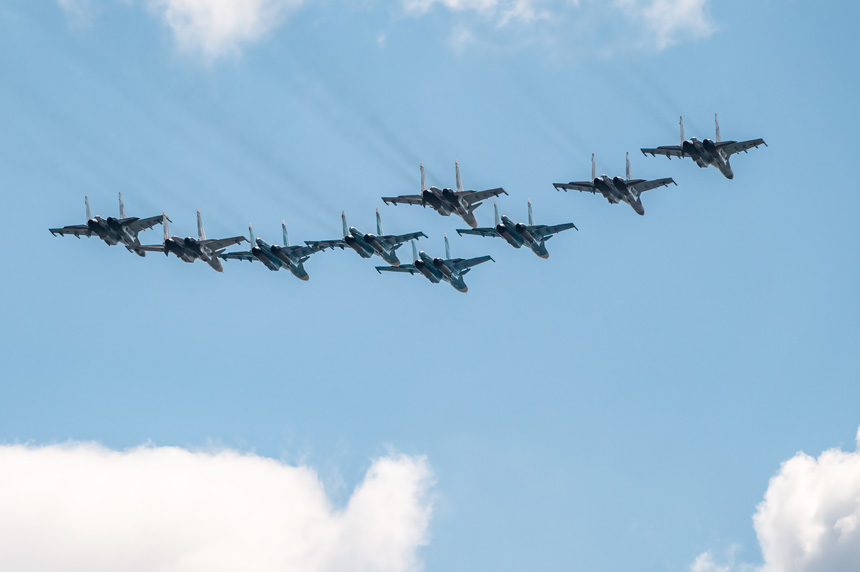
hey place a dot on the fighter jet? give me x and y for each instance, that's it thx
(447, 201)
(275, 257)
(112, 230)
(707, 152)
(451, 270)
(366, 245)
(190, 249)
(517, 234)
(616, 189)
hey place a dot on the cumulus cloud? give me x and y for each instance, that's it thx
(809, 520)
(214, 28)
(670, 21)
(81, 507)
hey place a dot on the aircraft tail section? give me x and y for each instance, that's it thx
(414, 251)
(496, 208)
(378, 224)
(593, 168)
(201, 234)
(164, 224)
(717, 127)
(251, 235)
(423, 184)
(627, 173)
(682, 131)
(286, 234)
(87, 203)
(447, 248)
(121, 207)
(531, 214)
(457, 173)
(345, 227)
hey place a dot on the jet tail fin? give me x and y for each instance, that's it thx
(447, 248)
(286, 234)
(87, 203)
(627, 172)
(717, 126)
(593, 168)
(459, 180)
(121, 207)
(345, 227)
(201, 234)
(414, 251)
(164, 220)
(682, 131)
(378, 224)
(531, 215)
(423, 184)
(496, 208)
(251, 235)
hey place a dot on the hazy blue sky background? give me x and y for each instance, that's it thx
(620, 405)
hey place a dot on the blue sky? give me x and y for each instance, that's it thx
(621, 404)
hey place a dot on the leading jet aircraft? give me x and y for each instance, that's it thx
(451, 270)
(707, 152)
(447, 201)
(275, 257)
(616, 189)
(517, 234)
(190, 249)
(112, 230)
(366, 245)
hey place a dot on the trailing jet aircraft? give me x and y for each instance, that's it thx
(447, 201)
(190, 249)
(366, 245)
(616, 189)
(707, 152)
(112, 230)
(275, 257)
(451, 270)
(517, 234)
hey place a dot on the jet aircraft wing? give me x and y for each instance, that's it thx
(543, 231)
(401, 238)
(405, 200)
(573, 186)
(459, 264)
(667, 150)
(222, 243)
(323, 244)
(76, 230)
(136, 225)
(473, 197)
(152, 247)
(410, 268)
(302, 251)
(640, 186)
(487, 232)
(732, 147)
(238, 256)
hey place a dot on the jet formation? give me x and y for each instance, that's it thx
(446, 201)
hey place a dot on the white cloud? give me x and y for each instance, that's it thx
(81, 507)
(809, 520)
(670, 21)
(79, 12)
(214, 28)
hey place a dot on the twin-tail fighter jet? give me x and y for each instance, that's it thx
(448, 201)
(616, 189)
(190, 249)
(275, 257)
(366, 245)
(517, 234)
(112, 230)
(707, 153)
(451, 270)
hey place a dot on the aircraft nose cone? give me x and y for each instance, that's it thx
(544, 256)
(304, 278)
(730, 176)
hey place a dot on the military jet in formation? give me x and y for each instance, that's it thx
(448, 201)
(112, 230)
(518, 234)
(274, 256)
(450, 270)
(189, 249)
(616, 189)
(714, 153)
(366, 245)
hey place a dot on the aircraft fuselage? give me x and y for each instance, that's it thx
(517, 235)
(615, 190)
(435, 270)
(366, 245)
(190, 249)
(282, 257)
(112, 232)
(705, 153)
(447, 202)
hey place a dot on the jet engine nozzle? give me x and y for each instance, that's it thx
(349, 239)
(449, 194)
(501, 229)
(190, 242)
(709, 145)
(430, 198)
(440, 265)
(618, 181)
(524, 232)
(688, 147)
(256, 251)
(113, 222)
(93, 224)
